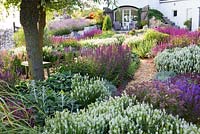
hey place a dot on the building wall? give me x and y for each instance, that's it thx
(185, 9)
(8, 19)
(136, 3)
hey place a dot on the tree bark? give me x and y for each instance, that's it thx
(29, 16)
(41, 25)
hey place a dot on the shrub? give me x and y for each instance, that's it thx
(172, 31)
(142, 47)
(56, 40)
(188, 24)
(86, 91)
(10, 67)
(165, 75)
(19, 52)
(132, 40)
(132, 32)
(119, 115)
(138, 25)
(95, 62)
(50, 54)
(59, 81)
(120, 37)
(99, 42)
(62, 27)
(92, 33)
(132, 69)
(144, 23)
(189, 84)
(135, 58)
(60, 32)
(154, 35)
(178, 38)
(81, 65)
(19, 38)
(107, 23)
(194, 37)
(112, 62)
(47, 38)
(160, 48)
(181, 41)
(159, 94)
(46, 101)
(179, 60)
(157, 14)
(70, 43)
(63, 91)
(105, 34)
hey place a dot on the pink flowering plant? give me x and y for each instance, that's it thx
(10, 67)
(178, 38)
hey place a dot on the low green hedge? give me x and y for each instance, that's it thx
(179, 60)
(104, 35)
(60, 32)
(155, 35)
(99, 42)
(118, 116)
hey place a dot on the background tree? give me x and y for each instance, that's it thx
(33, 21)
(107, 23)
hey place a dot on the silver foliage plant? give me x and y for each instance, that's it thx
(120, 115)
(179, 60)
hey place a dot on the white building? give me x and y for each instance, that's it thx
(178, 11)
(8, 18)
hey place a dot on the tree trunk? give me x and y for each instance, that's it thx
(41, 25)
(29, 16)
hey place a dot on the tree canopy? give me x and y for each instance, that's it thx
(33, 21)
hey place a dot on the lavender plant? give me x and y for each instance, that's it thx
(159, 94)
(112, 61)
(69, 24)
(92, 33)
(178, 95)
(189, 84)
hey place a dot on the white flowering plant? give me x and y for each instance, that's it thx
(120, 115)
(99, 42)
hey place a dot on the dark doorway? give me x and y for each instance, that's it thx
(199, 16)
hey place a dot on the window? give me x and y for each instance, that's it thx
(175, 13)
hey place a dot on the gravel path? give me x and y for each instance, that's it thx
(146, 71)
